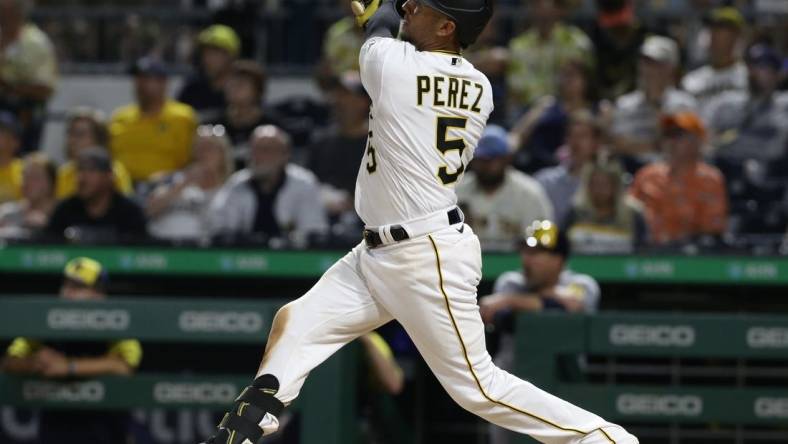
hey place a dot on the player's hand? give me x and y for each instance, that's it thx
(363, 10)
(489, 306)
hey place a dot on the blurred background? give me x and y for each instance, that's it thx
(173, 171)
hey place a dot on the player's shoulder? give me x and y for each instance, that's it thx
(379, 46)
(510, 281)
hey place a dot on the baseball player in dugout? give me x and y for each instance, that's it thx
(418, 262)
(84, 279)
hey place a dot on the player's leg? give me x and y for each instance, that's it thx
(429, 285)
(304, 333)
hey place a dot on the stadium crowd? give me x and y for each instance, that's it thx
(626, 137)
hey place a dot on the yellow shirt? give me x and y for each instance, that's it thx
(11, 181)
(129, 350)
(66, 184)
(147, 145)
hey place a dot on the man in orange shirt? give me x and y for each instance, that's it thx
(682, 196)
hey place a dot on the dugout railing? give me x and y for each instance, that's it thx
(717, 375)
(326, 404)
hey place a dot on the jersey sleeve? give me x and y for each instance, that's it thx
(372, 61)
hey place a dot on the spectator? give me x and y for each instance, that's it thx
(562, 181)
(751, 124)
(97, 211)
(617, 37)
(87, 128)
(153, 135)
(28, 69)
(10, 165)
(725, 71)
(603, 220)
(342, 43)
(635, 124)
(539, 133)
(499, 201)
(682, 197)
(245, 94)
(491, 57)
(179, 208)
(271, 198)
(23, 218)
(336, 156)
(537, 55)
(84, 280)
(204, 90)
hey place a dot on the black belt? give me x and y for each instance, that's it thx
(398, 233)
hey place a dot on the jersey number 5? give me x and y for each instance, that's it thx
(372, 162)
(445, 145)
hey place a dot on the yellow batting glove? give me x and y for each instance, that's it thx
(363, 10)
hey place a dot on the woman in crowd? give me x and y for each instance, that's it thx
(87, 128)
(23, 218)
(603, 220)
(177, 208)
(539, 132)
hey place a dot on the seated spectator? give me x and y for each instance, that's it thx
(603, 220)
(86, 128)
(542, 130)
(178, 209)
(28, 70)
(536, 56)
(751, 124)
(204, 89)
(561, 182)
(10, 165)
(725, 71)
(499, 201)
(23, 218)
(153, 135)
(272, 198)
(97, 212)
(84, 279)
(245, 94)
(617, 37)
(335, 157)
(635, 124)
(682, 197)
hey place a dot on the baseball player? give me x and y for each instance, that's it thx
(418, 263)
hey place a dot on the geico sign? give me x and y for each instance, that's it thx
(80, 319)
(767, 337)
(662, 405)
(91, 391)
(221, 321)
(203, 393)
(771, 407)
(652, 335)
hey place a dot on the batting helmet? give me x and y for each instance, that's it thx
(470, 16)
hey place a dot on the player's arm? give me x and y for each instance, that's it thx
(379, 18)
(382, 363)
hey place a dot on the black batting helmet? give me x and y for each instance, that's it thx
(470, 16)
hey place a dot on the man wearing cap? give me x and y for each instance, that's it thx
(498, 200)
(97, 211)
(10, 165)
(28, 69)
(204, 90)
(682, 197)
(542, 284)
(153, 135)
(725, 71)
(84, 279)
(635, 127)
(753, 124)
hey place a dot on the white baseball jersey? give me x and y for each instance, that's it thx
(428, 112)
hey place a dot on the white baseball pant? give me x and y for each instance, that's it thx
(428, 284)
